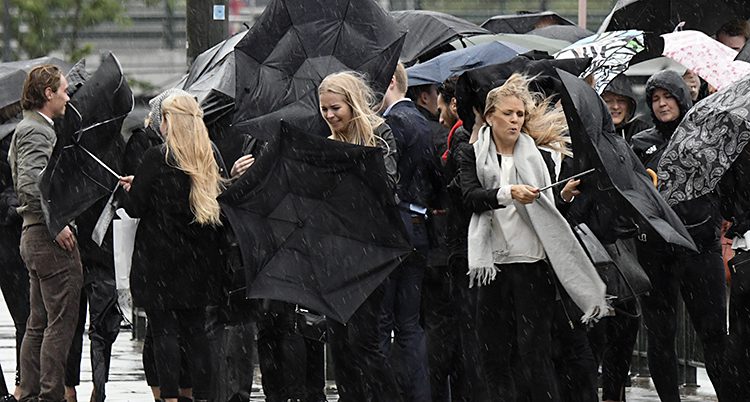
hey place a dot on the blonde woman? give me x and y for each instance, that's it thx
(362, 369)
(176, 246)
(518, 242)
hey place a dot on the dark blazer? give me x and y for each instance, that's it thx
(414, 142)
(176, 262)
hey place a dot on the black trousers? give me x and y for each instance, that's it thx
(699, 278)
(515, 324)
(449, 311)
(14, 283)
(99, 294)
(612, 340)
(362, 370)
(168, 327)
(291, 365)
(149, 362)
(737, 375)
(232, 357)
(573, 358)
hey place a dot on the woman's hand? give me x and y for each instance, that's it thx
(66, 239)
(523, 193)
(126, 181)
(570, 190)
(241, 165)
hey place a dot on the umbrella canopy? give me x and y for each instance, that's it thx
(88, 138)
(595, 145)
(662, 16)
(439, 69)
(524, 23)
(569, 33)
(430, 30)
(707, 142)
(315, 224)
(533, 42)
(211, 79)
(294, 44)
(611, 53)
(710, 59)
(744, 54)
(472, 86)
(13, 74)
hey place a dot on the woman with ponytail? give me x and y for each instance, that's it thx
(176, 259)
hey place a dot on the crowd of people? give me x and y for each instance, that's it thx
(498, 301)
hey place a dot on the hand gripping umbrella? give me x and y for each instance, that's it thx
(595, 145)
(710, 138)
(82, 168)
(294, 45)
(315, 223)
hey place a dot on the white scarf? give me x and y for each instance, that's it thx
(566, 256)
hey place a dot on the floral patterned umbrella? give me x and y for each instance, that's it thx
(709, 58)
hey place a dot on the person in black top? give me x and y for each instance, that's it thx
(177, 242)
(620, 100)
(698, 277)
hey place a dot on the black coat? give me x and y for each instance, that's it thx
(176, 263)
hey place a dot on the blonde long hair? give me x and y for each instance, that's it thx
(187, 139)
(361, 99)
(546, 126)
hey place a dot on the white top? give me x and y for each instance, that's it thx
(51, 123)
(524, 245)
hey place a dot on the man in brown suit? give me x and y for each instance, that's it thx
(53, 262)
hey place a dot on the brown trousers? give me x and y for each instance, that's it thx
(56, 278)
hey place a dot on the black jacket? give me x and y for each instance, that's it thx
(176, 262)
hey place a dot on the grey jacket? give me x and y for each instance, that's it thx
(30, 150)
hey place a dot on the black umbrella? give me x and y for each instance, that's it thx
(595, 145)
(294, 45)
(13, 74)
(662, 16)
(315, 223)
(211, 79)
(709, 139)
(86, 157)
(570, 33)
(524, 22)
(744, 53)
(473, 85)
(430, 31)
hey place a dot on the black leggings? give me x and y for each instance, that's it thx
(514, 322)
(737, 377)
(699, 277)
(168, 328)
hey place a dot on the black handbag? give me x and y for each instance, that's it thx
(619, 269)
(310, 324)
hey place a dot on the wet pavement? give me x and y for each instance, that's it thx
(127, 382)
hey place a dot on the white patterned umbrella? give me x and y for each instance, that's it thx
(710, 59)
(611, 53)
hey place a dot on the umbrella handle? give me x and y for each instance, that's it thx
(654, 177)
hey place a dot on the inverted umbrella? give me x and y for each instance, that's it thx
(662, 16)
(570, 33)
(595, 145)
(294, 44)
(439, 69)
(610, 54)
(472, 86)
(524, 22)
(707, 142)
(710, 59)
(315, 223)
(211, 78)
(87, 154)
(429, 30)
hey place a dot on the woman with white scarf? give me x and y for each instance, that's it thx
(518, 240)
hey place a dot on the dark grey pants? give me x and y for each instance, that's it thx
(55, 278)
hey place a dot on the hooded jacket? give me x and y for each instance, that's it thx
(701, 216)
(649, 144)
(631, 124)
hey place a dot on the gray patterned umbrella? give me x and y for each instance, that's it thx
(707, 142)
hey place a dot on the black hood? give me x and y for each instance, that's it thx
(673, 83)
(621, 86)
